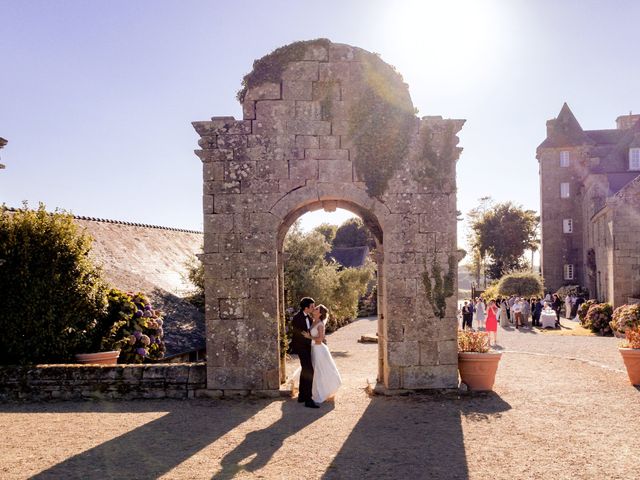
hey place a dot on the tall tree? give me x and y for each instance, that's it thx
(328, 231)
(502, 234)
(354, 233)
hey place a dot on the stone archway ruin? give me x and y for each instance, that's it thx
(329, 125)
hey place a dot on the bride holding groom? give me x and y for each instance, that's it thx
(319, 377)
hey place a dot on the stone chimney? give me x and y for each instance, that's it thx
(625, 122)
(551, 124)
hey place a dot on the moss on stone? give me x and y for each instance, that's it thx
(434, 166)
(442, 287)
(381, 123)
(269, 68)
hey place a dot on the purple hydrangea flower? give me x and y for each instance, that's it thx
(148, 307)
(141, 351)
(138, 313)
(145, 340)
(137, 334)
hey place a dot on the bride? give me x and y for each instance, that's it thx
(326, 378)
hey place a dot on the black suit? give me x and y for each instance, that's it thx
(302, 346)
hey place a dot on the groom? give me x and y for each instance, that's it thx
(301, 344)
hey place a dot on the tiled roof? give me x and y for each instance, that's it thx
(618, 180)
(605, 137)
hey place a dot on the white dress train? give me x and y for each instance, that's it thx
(326, 378)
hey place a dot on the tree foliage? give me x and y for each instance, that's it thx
(503, 232)
(353, 233)
(328, 231)
(307, 273)
(50, 292)
(523, 284)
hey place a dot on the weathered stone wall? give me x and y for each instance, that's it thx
(617, 241)
(108, 382)
(298, 148)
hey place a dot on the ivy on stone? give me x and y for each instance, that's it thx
(442, 286)
(434, 166)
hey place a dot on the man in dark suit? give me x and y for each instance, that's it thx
(301, 344)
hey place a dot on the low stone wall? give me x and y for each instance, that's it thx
(101, 382)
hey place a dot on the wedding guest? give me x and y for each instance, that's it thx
(556, 305)
(517, 313)
(510, 313)
(526, 310)
(467, 316)
(567, 307)
(580, 300)
(492, 322)
(504, 317)
(536, 311)
(480, 313)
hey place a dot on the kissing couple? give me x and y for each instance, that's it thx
(319, 376)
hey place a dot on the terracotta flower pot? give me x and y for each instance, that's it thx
(631, 357)
(100, 358)
(478, 370)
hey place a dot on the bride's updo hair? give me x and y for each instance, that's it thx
(324, 313)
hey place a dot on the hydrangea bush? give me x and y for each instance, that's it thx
(624, 317)
(583, 310)
(598, 318)
(136, 328)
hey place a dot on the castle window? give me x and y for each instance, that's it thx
(634, 159)
(567, 225)
(568, 271)
(564, 190)
(564, 158)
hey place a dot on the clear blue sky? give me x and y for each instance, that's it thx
(97, 96)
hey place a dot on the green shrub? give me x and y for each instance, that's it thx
(195, 274)
(522, 284)
(50, 292)
(625, 317)
(598, 318)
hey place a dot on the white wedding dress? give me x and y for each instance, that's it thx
(326, 378)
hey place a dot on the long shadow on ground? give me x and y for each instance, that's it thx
(156, 447)
(418, 436)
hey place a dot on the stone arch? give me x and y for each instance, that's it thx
(327, 125)
(372, 212)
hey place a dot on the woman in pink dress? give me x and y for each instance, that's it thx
(492, 322)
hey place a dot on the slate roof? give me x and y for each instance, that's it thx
(348, 256)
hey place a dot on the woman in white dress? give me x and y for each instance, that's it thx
(480, 314)
(504, 319)
(326, 378)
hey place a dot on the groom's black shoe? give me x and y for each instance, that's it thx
(311, 404)
(301, 400)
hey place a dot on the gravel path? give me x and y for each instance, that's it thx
(562, 409)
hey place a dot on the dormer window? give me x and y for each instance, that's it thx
(564, 158)
(634, 159)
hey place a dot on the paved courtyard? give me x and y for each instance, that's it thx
(562, 409)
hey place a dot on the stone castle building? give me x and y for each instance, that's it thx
(590, 207)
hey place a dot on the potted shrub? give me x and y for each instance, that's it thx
(476, 363)
(129, 331)
(630, 351)
(624, 317)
